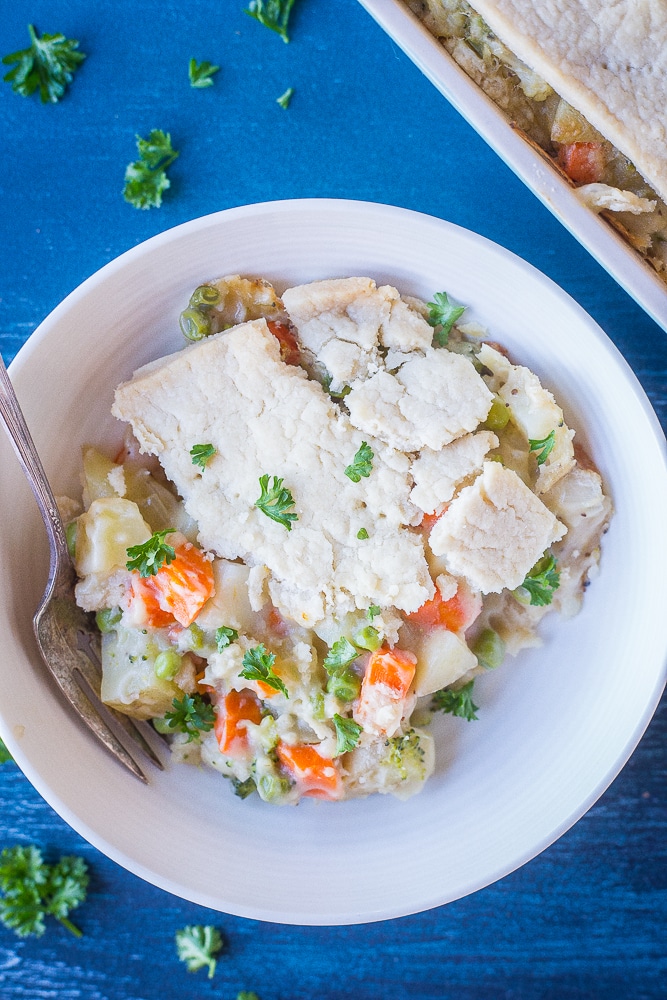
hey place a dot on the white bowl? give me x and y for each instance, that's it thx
(556, 725)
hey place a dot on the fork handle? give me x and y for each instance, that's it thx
(14, 423)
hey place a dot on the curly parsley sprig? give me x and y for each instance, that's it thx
(273, 14)
(150, 556)
(541, 583)
(146, 179)
(198, 945)
(362, 464)
(542, 447)
(458, 702)
(442, 315)
(48, 66)
(258, 666)
(33, 890)
(201, 74)
(192, 716)
(275, 501)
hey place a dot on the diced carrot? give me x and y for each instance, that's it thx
(277, 623)
(391, 668)
(456, 614)
(145, 606)
(236, 708)
(583, 162)
(389, 674)
(318, 777)
(179, 590)
(290, 351)
(428, 520)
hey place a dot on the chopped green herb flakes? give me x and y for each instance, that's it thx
(442, 316)
(201, 73)
(258, 666)
(150, 556)
(543, 448)
(191, 715)
(224, 636)
(347, 734)
(284, 99)
(275, 501)
(362, 464)
(541, 583)
(458, 702)
(201, 454)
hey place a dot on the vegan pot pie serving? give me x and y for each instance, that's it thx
(332, 511)
(586, 82)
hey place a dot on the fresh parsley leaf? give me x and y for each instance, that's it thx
(246, 995)
(146, 179)
(200, 73)
(341, 654)
(48, 66)
(275, 501)
(541, 583)
(33, 889)
(362, 464)
(458, 703)
(285, 98)
(374, 610)
(362, 534)
(198, 946)
(201, 454)
(150, 556)
(224, 636)
(544, 447)
(442, 315)
(258, 666)
(5, 755)
(273, 14)
(347, 734)
(191, 715)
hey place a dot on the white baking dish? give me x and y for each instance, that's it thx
(624, 264)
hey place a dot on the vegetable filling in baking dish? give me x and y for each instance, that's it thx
(332, 511)
(606, 180)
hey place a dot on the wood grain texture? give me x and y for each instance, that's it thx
(587, 919)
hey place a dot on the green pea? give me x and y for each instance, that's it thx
(167, 664)
(489, 649)
(71, 532)
(161, 726)
(345, 686)
(271, 787)
(498, 416)
(368, 638)
(205, 297)
(107, 619)
(194, 324)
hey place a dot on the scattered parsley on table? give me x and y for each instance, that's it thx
(48, 66)
(146, 179)
(33, 890)
(201, 73)
(198, 946)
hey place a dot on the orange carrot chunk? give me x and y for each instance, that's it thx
(290, 351)
(177, 591)
(391, 668)
(583, 162)
(236, 708)
(317, 777)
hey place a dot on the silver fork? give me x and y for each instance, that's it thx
(67, 638)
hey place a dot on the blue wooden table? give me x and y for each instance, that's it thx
(586, 919)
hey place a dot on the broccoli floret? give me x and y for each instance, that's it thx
(406, 754)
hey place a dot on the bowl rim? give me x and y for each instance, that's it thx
(332, 205)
